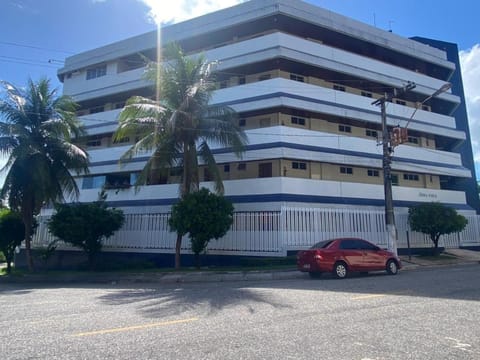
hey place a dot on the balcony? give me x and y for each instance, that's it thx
(313, 53)
(279, 92)
(269, 189)
(100, 123)
(112, 83)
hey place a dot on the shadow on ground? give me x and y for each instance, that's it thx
(176, 300)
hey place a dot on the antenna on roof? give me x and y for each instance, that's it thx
(374, 20)
(390, 22)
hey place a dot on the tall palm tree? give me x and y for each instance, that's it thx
(36, 130)
(179, 126)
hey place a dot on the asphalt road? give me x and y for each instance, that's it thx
(426, 314)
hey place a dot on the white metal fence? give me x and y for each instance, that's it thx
(273, 233)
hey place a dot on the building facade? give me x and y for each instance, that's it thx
(303, 80)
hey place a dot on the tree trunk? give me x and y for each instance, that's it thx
(435, 249)
(27, 221)
(197, 261)
(9, 264)
(178, 246)
(91, 261)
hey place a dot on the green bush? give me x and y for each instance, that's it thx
(12, 231)
(86, 225)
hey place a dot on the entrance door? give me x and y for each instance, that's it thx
(265, 170)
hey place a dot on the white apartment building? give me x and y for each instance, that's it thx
(303, 80)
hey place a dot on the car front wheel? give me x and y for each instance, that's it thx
(340, 270)
(392, 267)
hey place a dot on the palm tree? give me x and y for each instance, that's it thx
(36, 129)
(179, 126)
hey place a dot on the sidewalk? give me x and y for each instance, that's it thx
(448, 258)
(454, 257)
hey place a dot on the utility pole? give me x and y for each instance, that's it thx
(387, 165)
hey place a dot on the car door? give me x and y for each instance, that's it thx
(351, 254)
(372, 257)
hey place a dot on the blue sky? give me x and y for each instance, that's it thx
(37, 35)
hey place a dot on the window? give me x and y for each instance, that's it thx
(338, 87)
(413, 140)
(117, 181)
(241, 80)
(264, 77)
(226, 168)
(297, 78)
(242, 122)
(366, 94)
(265, 170)
(223, 84)
(298, 120)
(299, 165)
(322, 244)
(94, 142)
(242, 167)
(410, 177)
(133, 177)
(206, 175)
(346, 170)
(426, 107)
(96, 72)
(264, 122)
(374, 173)
(401, 102)
(93, 182)
(123, 140)
(120, 105)
(371, 133)
(97, 109)
(349, 244)
(363, 245)
(345, 128)
(394, 178)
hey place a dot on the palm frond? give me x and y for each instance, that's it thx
(206, 155)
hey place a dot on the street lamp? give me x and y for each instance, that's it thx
(388, 146)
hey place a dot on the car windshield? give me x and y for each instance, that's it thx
(322, 244)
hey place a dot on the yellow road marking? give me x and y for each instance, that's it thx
(137, 327)
(371, 296)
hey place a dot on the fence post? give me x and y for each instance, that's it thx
(408, 246)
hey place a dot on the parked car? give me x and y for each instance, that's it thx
(341, 256)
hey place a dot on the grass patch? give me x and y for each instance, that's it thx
(440, 257)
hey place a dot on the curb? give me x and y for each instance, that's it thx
(160, 278)
(172, 278)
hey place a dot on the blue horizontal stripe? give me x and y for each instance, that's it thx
(323, 102)
(319, 149)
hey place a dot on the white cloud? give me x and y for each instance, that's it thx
(470, 65)
(164, 12)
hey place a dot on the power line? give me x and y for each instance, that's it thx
(35, 47)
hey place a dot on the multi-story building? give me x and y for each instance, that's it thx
(303, 80)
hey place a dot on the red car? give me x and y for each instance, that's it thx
(341, 256)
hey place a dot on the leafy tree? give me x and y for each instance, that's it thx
(435, 219)
(204, 216)
(12, 231)
(36, 132)
(179, 126)
(85, 225)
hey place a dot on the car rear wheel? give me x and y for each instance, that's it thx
(315, 274)
(392, 267)
(340, 270)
